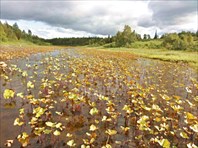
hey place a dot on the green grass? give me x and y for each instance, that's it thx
(20, 42)
(160, 54)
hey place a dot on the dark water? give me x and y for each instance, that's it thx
(165, 77)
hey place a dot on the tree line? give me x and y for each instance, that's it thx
(13, 33)
(126, 38)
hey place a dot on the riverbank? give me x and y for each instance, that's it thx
(161, 54)
(16, 50)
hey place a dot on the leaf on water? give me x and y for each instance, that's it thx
(8, 93)
(18, 122)
(21, 111)
(59, 125)
(194, 128)
(71, 143)
(93, 111)
(59, 113)
(191, 145)
(47, 131)
(190, 116)
(23, 139)
(56, 133)
(39, 111)
(127, 108)
(38, 130)
(107, 146)
(184, 135)
(9, 143)
(156, 107)
(30, 84)
(111, 132)
(69, 135)
(93, 128)
(85, 146)
(165, 97)
(125, 129)
(164, 143)
(20, 95)
(143, 125)
(50, 124)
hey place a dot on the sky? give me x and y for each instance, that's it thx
(64, 18)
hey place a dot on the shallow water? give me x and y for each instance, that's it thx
(165, 77)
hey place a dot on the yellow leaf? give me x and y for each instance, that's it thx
(190, 116)
(17, 122)
(71, 143)
(93, 111)
(184, 135)
(164, 143)
(191, 145)
(93, 128)
(30, 84)
(194, 128)
(8, 93)
(69, 135)
(47, 131)
(111, 132)
(125, 129)
(56, 133)
(50, 124)
(107, 146)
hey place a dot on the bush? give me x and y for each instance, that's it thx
(177, 42)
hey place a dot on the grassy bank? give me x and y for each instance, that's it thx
(160, 54)
(9, 50)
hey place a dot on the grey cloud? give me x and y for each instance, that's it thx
(146, 22)
(62, 14)
(168, 12)
(97, 19)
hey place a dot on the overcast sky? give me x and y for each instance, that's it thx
(63, 18)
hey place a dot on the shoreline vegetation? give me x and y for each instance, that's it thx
(22, 49)
(173, 47)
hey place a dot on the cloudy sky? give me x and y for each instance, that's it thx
(63, 18)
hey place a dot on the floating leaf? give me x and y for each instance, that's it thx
(107, 146)
(184, 135)
(56, 133)
(20, 95)
(125, 129)
(50, 124)
(30, 84)
(164, 143)
(191, 145)
(111, 132)
(23, 139)
(59, 125)
(69, 135)
(93, 111)
(39, 111)
(47, 131)
(9, 143)
(71, 143)
(127, 108)
(18, 122)
(194, 128)
(8, 93)
(93, 128)
(190, 116)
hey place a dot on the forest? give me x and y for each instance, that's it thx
(126, 38)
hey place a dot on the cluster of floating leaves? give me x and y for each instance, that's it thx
(97, 99)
